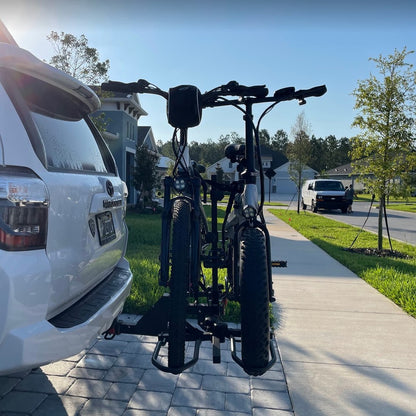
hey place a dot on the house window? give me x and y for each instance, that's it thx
(130, 130)
(230, 165)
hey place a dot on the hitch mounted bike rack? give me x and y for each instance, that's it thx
(155, 323)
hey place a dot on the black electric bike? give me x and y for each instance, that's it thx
(189, 246)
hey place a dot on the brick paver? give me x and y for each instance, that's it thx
(116, 378)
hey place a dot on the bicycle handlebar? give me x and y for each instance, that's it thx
(141, 86)
(255, 94)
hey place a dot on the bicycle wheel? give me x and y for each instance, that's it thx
(254, 301)
(180, 260)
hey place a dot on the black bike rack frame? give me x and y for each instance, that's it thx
(155, 323)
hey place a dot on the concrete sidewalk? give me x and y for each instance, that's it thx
(346, 349)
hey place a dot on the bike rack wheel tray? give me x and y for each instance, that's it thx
(155, 323)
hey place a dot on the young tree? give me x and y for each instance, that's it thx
(384, 150)
(279, 141)
(299, 151)
(76, 58)
(145, 176)
(264, 137)
(318, 156)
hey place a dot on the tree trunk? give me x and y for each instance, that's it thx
(380, 222)
(299, 186)
(139, 202)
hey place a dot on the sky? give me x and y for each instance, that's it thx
(280, 43)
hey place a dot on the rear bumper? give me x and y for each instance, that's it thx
(328, 204)
(43, 341)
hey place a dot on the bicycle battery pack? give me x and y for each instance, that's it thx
(184, 106)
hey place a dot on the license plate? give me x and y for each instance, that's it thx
(105, 224)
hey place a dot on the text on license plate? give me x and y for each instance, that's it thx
(105, 224)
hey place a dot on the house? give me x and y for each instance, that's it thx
(344, 173)
(120, 114)
(146, 139)
(228, 168)
(281, 183)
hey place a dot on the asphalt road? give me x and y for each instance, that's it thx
(402, 225)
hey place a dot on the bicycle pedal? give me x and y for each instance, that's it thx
(279, 263)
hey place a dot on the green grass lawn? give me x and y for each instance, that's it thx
(393, 277)
(407, 207)
(399, 204)
(143, 255)
(367, 197)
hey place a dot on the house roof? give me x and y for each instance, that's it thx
(125, 101)
(286, 165)
(165, 162)
(265, 152)
(142, 132)
(340, 170)
(145, 137)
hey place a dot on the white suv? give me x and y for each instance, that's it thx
(63, 275)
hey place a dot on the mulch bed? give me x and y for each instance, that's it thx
(379, 253)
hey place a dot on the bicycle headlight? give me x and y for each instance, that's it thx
(179, 184)
(249, 212)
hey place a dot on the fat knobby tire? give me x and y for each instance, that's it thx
(180, 260)
(254, 301)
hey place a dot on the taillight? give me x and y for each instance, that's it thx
(24, 205)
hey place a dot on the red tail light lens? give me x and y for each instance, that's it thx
(24, 205)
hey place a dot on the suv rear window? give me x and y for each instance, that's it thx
(70, 142)
(69, 145)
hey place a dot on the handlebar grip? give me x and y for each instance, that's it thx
(117, 86)
(258, 91)
(140, 86)
(284, 94)
(311, 92)
(234, 88)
